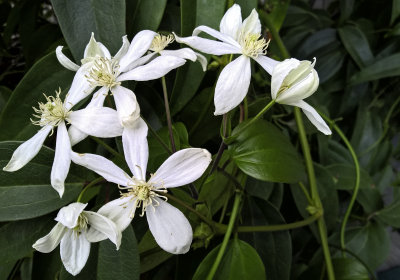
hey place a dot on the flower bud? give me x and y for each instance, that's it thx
(293, 80)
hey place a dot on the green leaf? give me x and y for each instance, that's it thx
(5, 94)
(246, 6)
(383, 68)
(46, 266)
(151, 255)
(262, 151)
(46, 76)
(240, 261)
(395, 11)
(189, 77)
(121, 264)
(277, 10)
(144, 14)
(79, 18)
(349, 269)
(344, 176)
(274, 248)
(356, 44)
(27, 193)
(391, 214)
(346, 9)
(17, 238)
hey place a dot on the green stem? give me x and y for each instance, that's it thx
(107, 147)
(245, 108)
(91, 184)
(227, 236)
(168, 114)
(304, 189)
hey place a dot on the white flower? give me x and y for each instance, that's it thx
(100, 122)
(292, 81)
(169, 226)
(236, 37)
(75, 230)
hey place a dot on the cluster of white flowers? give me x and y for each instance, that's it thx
(143, 59)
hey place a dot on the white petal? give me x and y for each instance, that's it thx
(232, 85)
(62, 159)
(216, 34)
(231, 21)
(313, 116)
(64, 60)
(124, 48)
(279, 73)
(139, 45)
(100, 122)
(300, 90)
(76, 135)
(80, 87)
(170, 228)
(100, 225)
(48, 243)
(102, 166)
(251, 25)
(155, 69)
(94, 48)
(267, 63)
(187, 53)
(136, 149)
(209, 46)
(27, 150)
(181, 168)
(68, 215)
(120, 211)
(74, 250)
(140, 61)
(127, 106)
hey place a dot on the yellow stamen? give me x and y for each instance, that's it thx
(103, 73)
(254, 45)
(160, 42)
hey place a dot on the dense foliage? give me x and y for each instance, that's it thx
(261, 203)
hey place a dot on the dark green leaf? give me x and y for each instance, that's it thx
(395, 11)
(356, 44)
(349, 269)
(27, 193)
(240, 261)
(344, 176)
(151, 255)
(346, 8)
(246, 6)
(79, 18)
(121, 264)
(5, 94)
(391, 214)
(263, 152)
(145, 14)
(277, 10)
(46, 76)
(88, 272)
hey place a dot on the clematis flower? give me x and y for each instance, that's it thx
(235, 37)
(99, 122)
(75, 230)
(170, 228)
(292, 81)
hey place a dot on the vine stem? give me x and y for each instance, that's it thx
(168, 114)
(91, 184)
(227, 236)
(107, 147)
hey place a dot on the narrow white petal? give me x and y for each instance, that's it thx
(313, 116)
(27, 150)
(170, 228)
(267, 63)
(232, 85)
(68, 215)
(231, 21)
(94, 48)
(124, 48)
(252, 24)
(155, 69)
(104, 51)
(62, 159)
(100, 225)
(102, 166)
(48, 243)
(64, 60)
(187, 53)
(136, 149)
(209, 46)
(141, 61)
(138, 47)
(279, 73)
(100, 122)
(74, 251)
(127, 106)
(80, 87)
(216, 34)
(181, 168)
(76, 135)
(120, 211)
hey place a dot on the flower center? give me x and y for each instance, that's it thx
(82, 225)
(253, 45)
(103, 73)
(144, 195)
(52, 112)
(160, 42)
